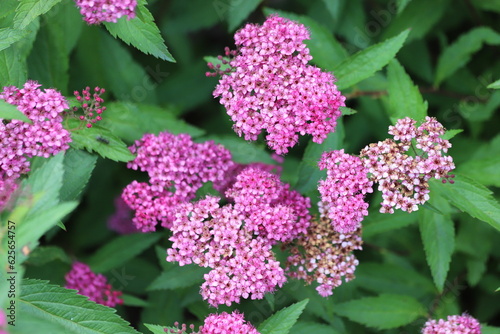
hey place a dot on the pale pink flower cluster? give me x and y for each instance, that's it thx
(95, 286)
(403, 166)
(235, 240)
(121, 221)
(271, 87)
(344, 190)
(98, 11)
(177, 168)
(224, 323)
(324, 256)
(44, 137)
(456, 324)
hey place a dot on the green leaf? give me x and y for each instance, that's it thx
(494, 85)
(405, 99)
(438, 236)
(242, 151)
(475, 199)
(485, 170)
(48, 308)
(216, 61)
(131, 121)
(326, 51)
(9, 111)
(402, 5)
(365, 63)
(157, 329)
(9, 36)
(179, 277)
(283, 320)
(376, 223)
(13, 70)
(45, 254)
(239, 11)
(309, 173)
(130, 300)
(479, 112)
(99, 140)
(459, 53)
(348, 111)
(78, 166)
(303, 327)
(121, 249)
(489, 330)
(141, 32)
(451, 133)
(29, 10)
(383, 312)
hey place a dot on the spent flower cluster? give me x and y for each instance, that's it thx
(95, 286)
(98, 11)
(269, 86)
(235, 240)
(177, 167)
(344, 190)
(403, 175)
(324, 255)
(456, 324)
(224, 323)
(19, 140)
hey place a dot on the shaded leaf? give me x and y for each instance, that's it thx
(303, 327)
(239, 11)
(179, 277)
(494, 85)
(78, 167)
(29, 10)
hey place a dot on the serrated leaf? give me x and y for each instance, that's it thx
(29, 10)
(131, 121)
(309, 173)
(376, 223)
(99, 140)
(484, 170)
(239, 11)
(405, 99)
(48, 308)
(438, 236)
(157, 329)
(459, 53)
(9, 36)
(494, 85)
(13, 69)
(283, 320)
(473, 198)
(78, 166)
(121, 249)
(9, 111)
(303, 327)
(141, 32)
(383, 312)
(365, 63)
(326, 51)
(179, 277)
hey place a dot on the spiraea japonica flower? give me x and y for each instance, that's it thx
(95, 286)
(270, 86)
(177, 167)
(236, 239)
(223, 323)
(19, 140)
(324, 256)
(90, 105)
(403, 166)
(456, 324)
(344, 189)
(98, 11)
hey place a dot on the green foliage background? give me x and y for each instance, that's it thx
(392, 59)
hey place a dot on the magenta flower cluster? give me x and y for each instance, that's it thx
(91, 105)
(98, 11)
(271, 87)
(402, 175)
(177, 168)
(95, 286)
(344, 190)
(235, 240)
(44, 137)
(121, 220)
(456, 324)
(224, 323)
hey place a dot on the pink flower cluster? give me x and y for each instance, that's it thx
(45, 136)
(91, 105)
(324, 255)
(223, 323)
(403, 176)
(235, 240)
(94, 286)
(456, 324)
(98, 11)
(3, 323)
(344, 190)
(271, 87)
(177, 168)
(121, 221)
